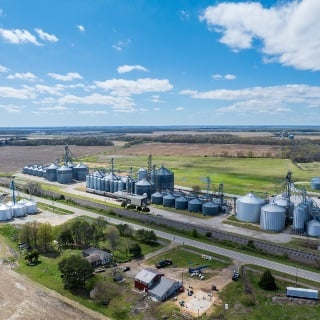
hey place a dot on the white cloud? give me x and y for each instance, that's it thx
(81, 28)
(53, 90)
(24, 93)
(224, 77)
(179, 109)
(68, 77)
(18, 36)
(127, 68)
(10, 108)
(289, 32)
(184, 15)
(3, 69)
(121, 44)
(46, 36)
(22, 76)
(53, 108)
(274, 99)
(93, 112)
(122, 87)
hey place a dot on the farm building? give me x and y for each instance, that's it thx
(146, 279)
(97, 257)
(164, 289)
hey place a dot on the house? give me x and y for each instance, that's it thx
(97, 257)
(164, 289)
(147, 278)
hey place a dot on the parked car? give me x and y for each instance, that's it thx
(124, 269)
(236, 276)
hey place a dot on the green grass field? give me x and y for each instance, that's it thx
(238, 175)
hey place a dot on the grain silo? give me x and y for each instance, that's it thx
(181, 203)
(18, 210)
(283, 201)
(142, 174)
(5, 212)
(210, 208)
(300, 217)
(64, 175)
(163, 179)
(315, 183)
(249, 208)
(273, 217)
(313, 228)
(80, 171)
(144, 186)
(51, 172)
(169, 200)
(157, 198)
(195, 205)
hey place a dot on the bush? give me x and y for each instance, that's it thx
(267, 281)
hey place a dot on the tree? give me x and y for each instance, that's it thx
(76, 271)
(45, 236)
(32, 257)
(135, 250)
(112, 235)
(125, 230)
(267, 281)
(29, 233)
(147, 236)
(65, 237)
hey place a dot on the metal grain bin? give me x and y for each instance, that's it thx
(144, 186)
(300, 217)
(64, 175)
(164, 179)
(313, 228)
(5, 212)
(249, 208)
(142, 174)
(169, 200)
(195, 205)
(272, 217)
(315, 183)
(181, 203)
(31, 207)
(51, 172)
(18, 210)
(80, 171)
(157, 198)
(210, 209)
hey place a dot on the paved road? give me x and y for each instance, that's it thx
(240, 258)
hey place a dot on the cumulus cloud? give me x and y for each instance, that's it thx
(70, 76)
(224, 77)
(274, 99)
(3, 69)
(179, 109)
(11, 108)
(93, 112)
(23, 93)
(81, 28)
(46, 36)
(122, 87)
(22, 76)
(18, 36)
(127, 68)
(287, 33)
(184, 15)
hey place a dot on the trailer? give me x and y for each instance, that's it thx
(302, 293)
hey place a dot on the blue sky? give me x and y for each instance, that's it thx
(159, 62)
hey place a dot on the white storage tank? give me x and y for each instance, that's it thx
(5, 212)
(273, 217)
(249, 208)
(300, 217)
(313, 228)
(18, 210)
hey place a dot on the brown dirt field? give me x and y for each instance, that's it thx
(13, 158)
(172, 149)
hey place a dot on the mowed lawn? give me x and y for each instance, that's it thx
(238, 175)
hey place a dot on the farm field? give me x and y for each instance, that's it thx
(191, 164)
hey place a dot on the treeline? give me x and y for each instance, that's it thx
(77, 141)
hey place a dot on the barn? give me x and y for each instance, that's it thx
(146, 279)
(165, 289)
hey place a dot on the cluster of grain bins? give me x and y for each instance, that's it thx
(19, 209)
(146, 182)
(64, 174)
(274, 213)
(180, 201)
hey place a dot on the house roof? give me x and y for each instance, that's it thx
(147, 275)
(163, 287)
(94, 251)
(93, 258)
